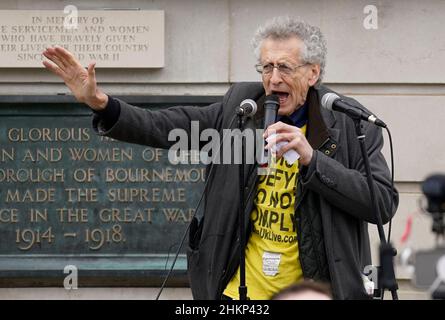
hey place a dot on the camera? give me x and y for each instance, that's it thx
(429, 265)
(434, 190)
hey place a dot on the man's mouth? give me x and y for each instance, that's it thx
(282, 96)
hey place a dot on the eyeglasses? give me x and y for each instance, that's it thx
(283, 69)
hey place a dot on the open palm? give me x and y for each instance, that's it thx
(81, 81)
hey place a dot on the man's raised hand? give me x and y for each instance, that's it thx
(81, 81)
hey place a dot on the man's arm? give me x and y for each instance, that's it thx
(119, 120)
(148, 127)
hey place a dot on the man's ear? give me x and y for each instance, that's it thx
(314, 74)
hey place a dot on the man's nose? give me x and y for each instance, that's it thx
(276, 77)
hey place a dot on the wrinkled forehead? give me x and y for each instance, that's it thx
(273, 49)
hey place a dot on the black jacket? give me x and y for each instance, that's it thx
(333, 204)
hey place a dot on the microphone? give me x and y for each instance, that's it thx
(331, 101)
(247, 108)
(271, 105)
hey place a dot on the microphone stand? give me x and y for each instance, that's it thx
(387, 279)
(242, 236)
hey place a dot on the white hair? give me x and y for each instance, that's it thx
(314, 50)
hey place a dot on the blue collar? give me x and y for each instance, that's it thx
(298, 118)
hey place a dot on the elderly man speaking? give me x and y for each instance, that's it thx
(305, 220)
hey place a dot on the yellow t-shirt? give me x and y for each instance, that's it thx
(272, 260)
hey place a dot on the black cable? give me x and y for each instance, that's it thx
(386, 275)
(393, 293)
(242, 236)
(392, 182)
(194, 213)
(392, 197)
(168, 254)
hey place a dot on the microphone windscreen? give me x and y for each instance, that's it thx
(328, 99)
(272, 99)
